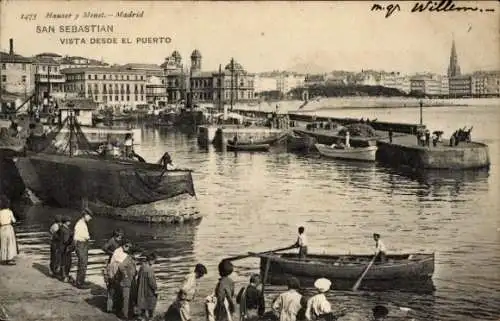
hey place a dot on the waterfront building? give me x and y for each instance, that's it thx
(486, 84)
(229, 85)
(461, 86)
(16, 73)
(48, 77)
(428, 84)
(395, 80)
(173, 82)
(114, 86)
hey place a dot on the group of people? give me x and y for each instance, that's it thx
(65, 241)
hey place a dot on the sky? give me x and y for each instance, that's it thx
(265, 36)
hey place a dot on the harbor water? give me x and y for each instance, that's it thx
(255, 202)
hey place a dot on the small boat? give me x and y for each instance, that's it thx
(350, 153)
(417, 266)
(247, 147)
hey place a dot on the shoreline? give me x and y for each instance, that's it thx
(50, 299)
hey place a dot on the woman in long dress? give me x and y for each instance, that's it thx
(8, 245)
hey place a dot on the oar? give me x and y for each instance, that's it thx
(243, 256)
(358, 282)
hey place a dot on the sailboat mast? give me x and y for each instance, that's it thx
(232, 84)
(71, 127)
(221, 82)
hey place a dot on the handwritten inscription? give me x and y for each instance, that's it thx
(442, 6)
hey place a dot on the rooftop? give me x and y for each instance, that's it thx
(142, 66)
(5, 57)
(102, 69)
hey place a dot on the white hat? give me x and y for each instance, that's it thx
(322, 285)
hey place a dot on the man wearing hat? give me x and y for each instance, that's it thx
(318, 307)
(55, 263)
(65, 248)
(82, 237)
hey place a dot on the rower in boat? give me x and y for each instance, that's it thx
(129, 145)
(380, 250)
(301, 243)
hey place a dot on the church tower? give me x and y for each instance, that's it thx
(453, 68)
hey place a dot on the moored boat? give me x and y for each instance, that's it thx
(416, 266)
(349, 153)
(300, 143)
(248, 147)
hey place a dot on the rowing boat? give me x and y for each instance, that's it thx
(349, 153)
(417, 266)
(248, 147)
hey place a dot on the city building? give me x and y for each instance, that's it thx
(286, 82)
(173, 85)
(432, 85)
(229, 85)
(460, 86)
(396, 80)
(79, 62)
(16, 73)
(112, 86)
(486, 84)
(312, 80)
(48, 76)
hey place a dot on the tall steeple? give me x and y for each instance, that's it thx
(453, 68)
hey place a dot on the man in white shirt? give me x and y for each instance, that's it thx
(81, 238)
(380, 250)
(302, 243)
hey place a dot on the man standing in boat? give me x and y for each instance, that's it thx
(302, 243)
(380, 251)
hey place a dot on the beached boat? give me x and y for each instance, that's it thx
(247, 147)
(348, 153)
(417, 266)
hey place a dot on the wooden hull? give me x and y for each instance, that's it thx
(69, 180)
(348, 268)
(299, 143)
(366, 154)
(248, 147)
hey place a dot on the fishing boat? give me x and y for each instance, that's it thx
(416, 266)
(70, 177)
(299, 143)
(366, 154)
(247, 147)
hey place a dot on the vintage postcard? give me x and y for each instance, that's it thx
(249, 160)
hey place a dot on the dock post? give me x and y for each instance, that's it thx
(264, 277)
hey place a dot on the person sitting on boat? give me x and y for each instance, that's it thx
(301, 243)
(379, 249)
(318, 307)
(235, 140)
(166, 162)
(287, 305)
(129, 145)
(251, 300)
(251, 140)
(347, 139)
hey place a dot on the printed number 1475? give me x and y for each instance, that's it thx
(29, 16)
